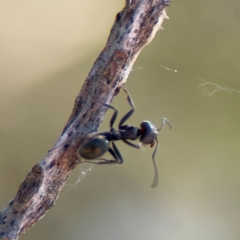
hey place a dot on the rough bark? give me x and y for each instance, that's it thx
(134, 27)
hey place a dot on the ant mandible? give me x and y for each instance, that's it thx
(93, 148)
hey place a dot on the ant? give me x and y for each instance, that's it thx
(94, 147)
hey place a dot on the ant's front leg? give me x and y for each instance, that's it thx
(114, 116)
(131, 144)
(128, 114)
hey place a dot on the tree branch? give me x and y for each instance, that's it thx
(134, 27)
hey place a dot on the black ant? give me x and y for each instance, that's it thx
(94, 147)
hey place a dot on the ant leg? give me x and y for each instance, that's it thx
(64, 142)
(131, 144)
(128, 114)
(115, 153)
(114, 116)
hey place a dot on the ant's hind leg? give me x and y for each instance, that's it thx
(128, 114)
(115, 153)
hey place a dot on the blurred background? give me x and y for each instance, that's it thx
(188, 74)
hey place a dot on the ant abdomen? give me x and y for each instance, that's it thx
(94, 148)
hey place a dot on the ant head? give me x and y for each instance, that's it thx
(148, 132)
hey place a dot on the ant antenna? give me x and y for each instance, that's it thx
(156, 175)
(164, 120)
